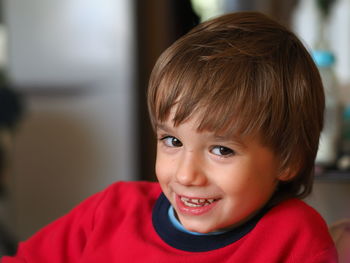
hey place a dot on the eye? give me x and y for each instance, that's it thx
(222, 151)
(171, 141)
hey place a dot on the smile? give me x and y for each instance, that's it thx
(195, 206)
(196, 202)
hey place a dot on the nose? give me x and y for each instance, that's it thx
(190, 170)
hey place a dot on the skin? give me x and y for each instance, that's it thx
(240, 175)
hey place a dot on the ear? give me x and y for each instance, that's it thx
(287, 174)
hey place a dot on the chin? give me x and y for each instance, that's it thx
(201, 229)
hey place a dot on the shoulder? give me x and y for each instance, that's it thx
(292, 209)
(131, 189)
(122, 195)
(121, 190)
(113, 198)
(297, 213)
(298, 225)
(97, 215)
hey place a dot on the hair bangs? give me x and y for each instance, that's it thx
(242, 106)
(223, 95)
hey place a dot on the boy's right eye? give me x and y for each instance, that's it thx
(171, 141)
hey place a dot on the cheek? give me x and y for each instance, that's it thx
(233, 180)
(164, 174)
(163, 168)
(244, 177)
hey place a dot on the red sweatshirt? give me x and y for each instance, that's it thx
(128, 222)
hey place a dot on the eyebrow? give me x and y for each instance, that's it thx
(163, 127)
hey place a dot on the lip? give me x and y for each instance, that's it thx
(193, 211)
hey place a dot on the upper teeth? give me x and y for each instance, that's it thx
(196, 201)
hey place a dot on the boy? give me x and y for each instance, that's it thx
(237, 105)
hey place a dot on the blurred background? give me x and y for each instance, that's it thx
(74, 77)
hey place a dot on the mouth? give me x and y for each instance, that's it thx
(195, 206)
(197, 202)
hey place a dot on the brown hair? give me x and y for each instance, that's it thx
(245, 74)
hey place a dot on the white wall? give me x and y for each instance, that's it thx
(73, 61)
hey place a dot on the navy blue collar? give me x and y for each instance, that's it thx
(196, 243)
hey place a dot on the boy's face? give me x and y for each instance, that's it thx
(213, 182)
